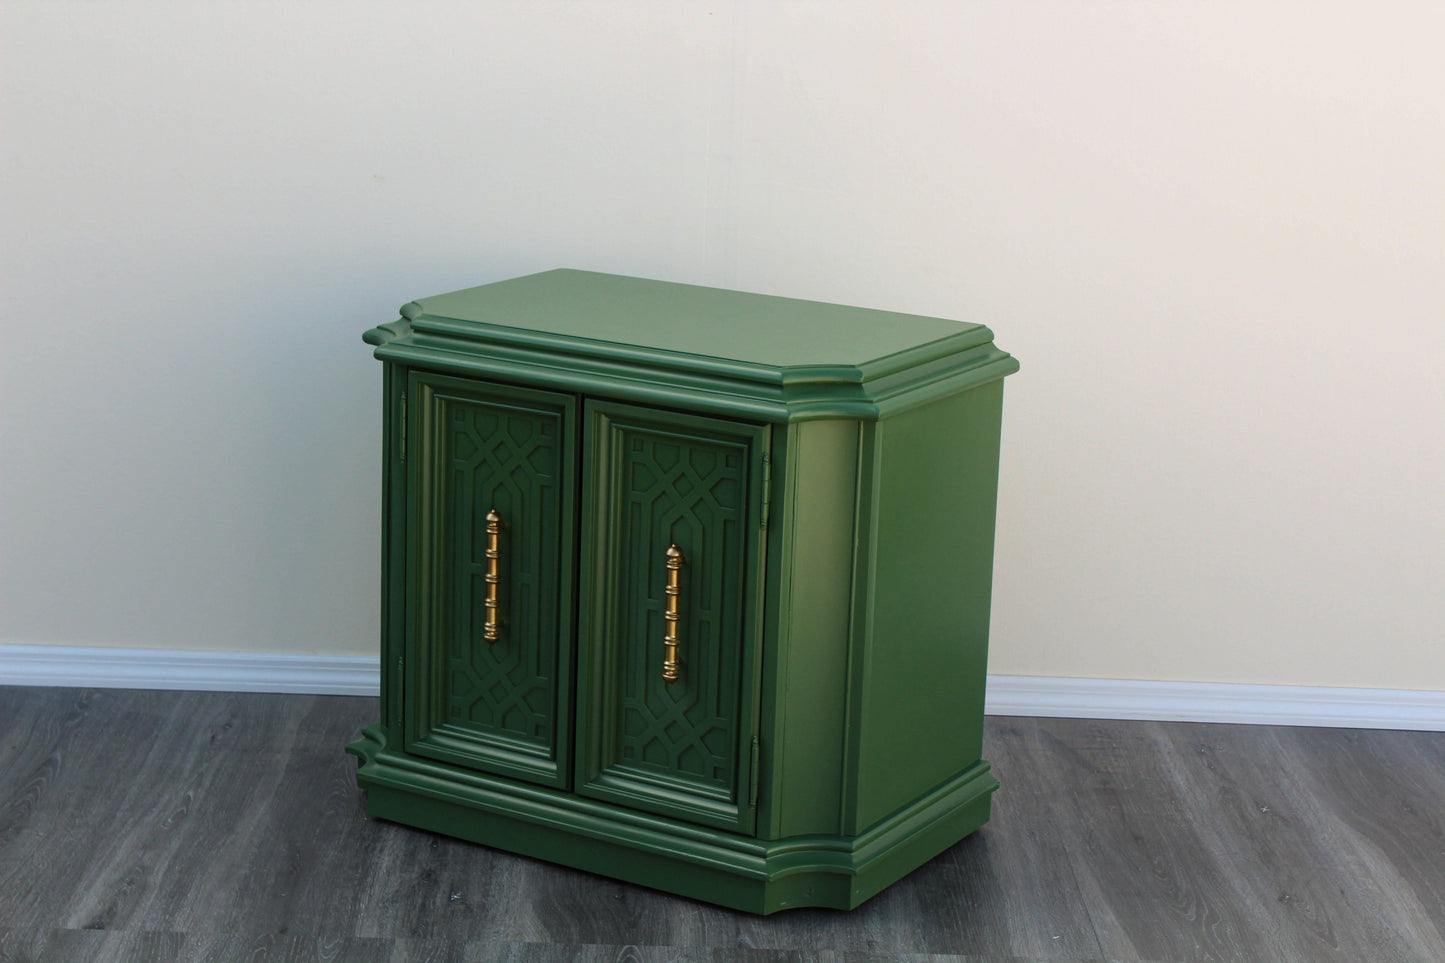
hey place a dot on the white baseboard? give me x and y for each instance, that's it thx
(1271, 705)
(1008, 695)
(102, 667)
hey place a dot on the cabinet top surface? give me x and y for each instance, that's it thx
(751, 356)
(664, 316)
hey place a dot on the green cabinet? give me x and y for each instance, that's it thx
(686, 586)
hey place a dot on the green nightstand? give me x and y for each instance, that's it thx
(685, 586)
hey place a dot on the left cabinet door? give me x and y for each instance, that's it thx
(488, 665)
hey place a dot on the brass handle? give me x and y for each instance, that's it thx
(669, 615)
(493, 577)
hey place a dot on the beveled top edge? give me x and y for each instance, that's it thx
(711, 385)
(482, 337)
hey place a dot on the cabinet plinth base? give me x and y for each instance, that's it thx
(757, 876)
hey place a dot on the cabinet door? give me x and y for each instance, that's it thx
(489, 687)
(657, 480)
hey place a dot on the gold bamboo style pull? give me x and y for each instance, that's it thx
(493, 577)
(669, 615)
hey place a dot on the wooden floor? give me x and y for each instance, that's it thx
(162, 826)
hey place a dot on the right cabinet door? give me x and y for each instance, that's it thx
(671, 573)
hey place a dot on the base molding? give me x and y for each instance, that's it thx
(1270, 705)
(756, 876)
(106, 667)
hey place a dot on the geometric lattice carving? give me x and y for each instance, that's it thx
(691, 492)
(505, 458)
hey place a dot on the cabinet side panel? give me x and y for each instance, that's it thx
(812, 687)
(924, 650)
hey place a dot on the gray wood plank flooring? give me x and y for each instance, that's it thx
(188, 826)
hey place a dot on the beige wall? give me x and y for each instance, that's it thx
(1213, 232)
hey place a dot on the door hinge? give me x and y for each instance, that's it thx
(753, 776)
(767, 490)
(403, 426)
